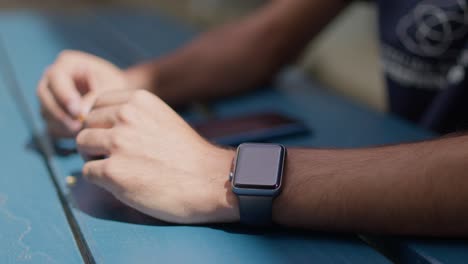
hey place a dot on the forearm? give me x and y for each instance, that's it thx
(417, 189)
(238, 56)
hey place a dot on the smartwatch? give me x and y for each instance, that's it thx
(256, 178)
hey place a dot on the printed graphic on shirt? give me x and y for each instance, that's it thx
(433, 51)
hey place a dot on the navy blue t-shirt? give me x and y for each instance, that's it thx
(425, 57)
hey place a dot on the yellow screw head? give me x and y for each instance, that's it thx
(71, 180)
(81, 118)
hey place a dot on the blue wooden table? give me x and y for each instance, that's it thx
(63, 222)
(33, 224)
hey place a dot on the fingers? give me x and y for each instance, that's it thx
(113, 98)
(109, 109)
(94, 142)
(52, 112)
(70, 87)
(65, 93)
(87, 102)
(105, 117)
(108, 173)
(95, 172)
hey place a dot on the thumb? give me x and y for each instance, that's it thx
(87, 103)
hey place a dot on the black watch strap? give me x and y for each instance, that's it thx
(255, 210)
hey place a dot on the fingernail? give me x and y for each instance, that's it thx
(74, 108)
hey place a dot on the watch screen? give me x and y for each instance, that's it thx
(259, 166)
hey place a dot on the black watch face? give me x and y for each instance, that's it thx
(259, 166)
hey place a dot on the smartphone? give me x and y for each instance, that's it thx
(257, 127)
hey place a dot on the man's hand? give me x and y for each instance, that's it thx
(69, 87)
(155, 162)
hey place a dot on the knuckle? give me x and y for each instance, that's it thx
(81, 137)
(65, 55)
(109, 170)
(140, 96)
(64, 99)
(51, 71)
(116, 141)
(98, 100)
(126, 113)
(85, 171)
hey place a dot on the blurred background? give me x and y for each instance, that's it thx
(344, 57)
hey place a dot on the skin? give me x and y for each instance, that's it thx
(233, 58)
(409, 189)
(157, 164)
(69, 87)
(237, 57)
(141, 136)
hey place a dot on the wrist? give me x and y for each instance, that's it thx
(226, 203)
(143, 76)
(282, 204)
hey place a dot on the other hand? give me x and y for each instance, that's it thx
(155, 162)
(69, 87)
